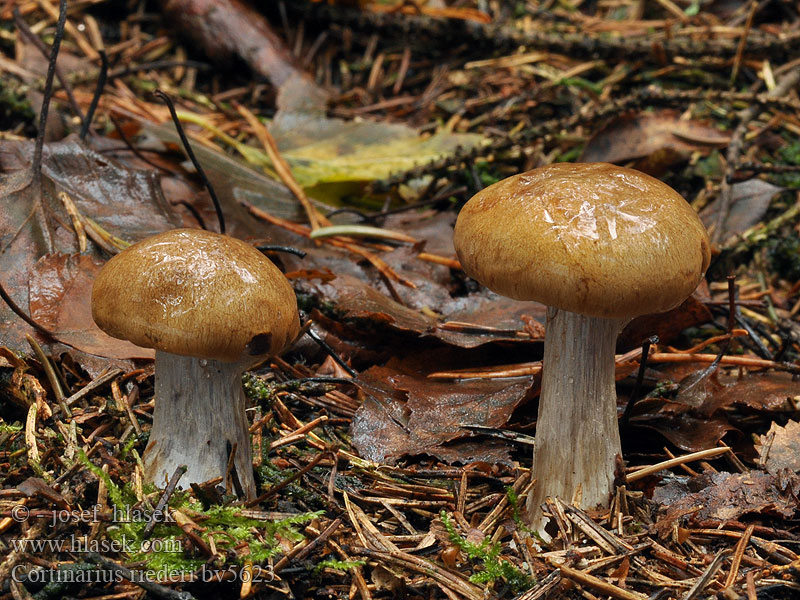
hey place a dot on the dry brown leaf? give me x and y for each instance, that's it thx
(722, 497)
(406, 414)
(669, 325)
(749, 204)
(779, 448)
(684, 430)
(124, 202)
(659, 140)
(60, 300)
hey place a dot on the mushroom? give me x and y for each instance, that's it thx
(211, 306)
(599, 245)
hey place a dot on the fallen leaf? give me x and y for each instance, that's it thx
(355, 301)
(405, 414)
(661, 138)
(721, 497)
(779, 448)
(697, 389)
(124, 202)
(234, 180)
(771, 391)
(60, 300)
(669, 325)
(322, 150)
(749, 204)
(684, 430)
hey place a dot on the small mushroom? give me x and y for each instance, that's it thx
(599, 245)
(211, 306)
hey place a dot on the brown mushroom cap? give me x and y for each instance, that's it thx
(591, 238)
(196, 293)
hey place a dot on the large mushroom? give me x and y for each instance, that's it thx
(599, 245)
(211, 306)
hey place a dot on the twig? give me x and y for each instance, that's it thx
(158, 65)
(674, 462)
(598, 584)
(331, 352)
(738, 361)
(384, 269)
(98, 91)
(706, 343)
(362, 231)
(23, 315)
(47, 94)
(298, 433)
(626, 415)
(286, 249)
(705, 578)
(40, 46)
(737, 60)
(303, 552)
(232, 482)
(99, 381)
(543, 588)
(453, 581)
(602, 537)
(75, 216)
(158, 513)
(741, 546)
(50, 373)
(279, 486)
(190, 153)
(73, 31)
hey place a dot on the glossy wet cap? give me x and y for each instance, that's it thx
(591, 238)
(196, 293)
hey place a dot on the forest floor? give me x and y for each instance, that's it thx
(392, 442)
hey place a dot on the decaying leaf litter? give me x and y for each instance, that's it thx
(391, 117)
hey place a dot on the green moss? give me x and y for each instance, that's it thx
(270, 475)
(263, 390)
(307, 302)
(339, 565)
(258, 389)
(784, 257)
(128, 446)
(710, 167)
(165, 550)
(789, 154)
(570, 155)
(488, 554)
(516, 513)
(581, 83)
(14, 105)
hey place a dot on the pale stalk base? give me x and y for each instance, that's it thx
(198, 417)
(577, 436)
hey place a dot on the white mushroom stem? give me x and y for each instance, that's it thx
(577, 436)
(199, 416)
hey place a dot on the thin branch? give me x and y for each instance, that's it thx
(98, 91)
(190, 153)
(40, 46)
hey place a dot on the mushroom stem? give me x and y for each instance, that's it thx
(577, 436)
(198, 417)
